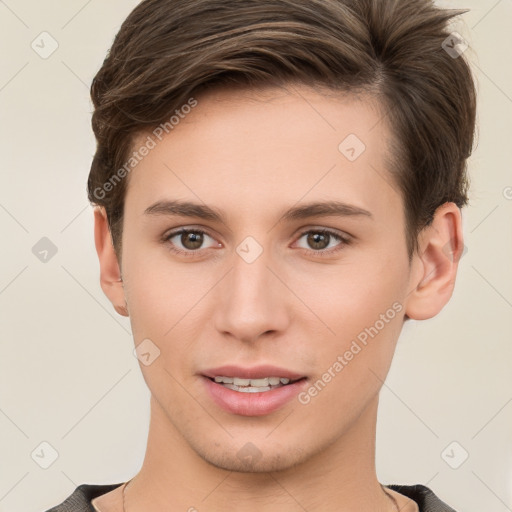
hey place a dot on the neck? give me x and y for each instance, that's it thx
(341, 477)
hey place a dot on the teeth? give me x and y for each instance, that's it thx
(257, 382)
(248, 389)
(241, 382)
(251, 384)
(226, 380)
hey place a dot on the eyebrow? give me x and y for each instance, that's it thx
(305, 211)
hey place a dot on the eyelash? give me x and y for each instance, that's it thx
(322, 253)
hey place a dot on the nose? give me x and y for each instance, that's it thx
(252, 301)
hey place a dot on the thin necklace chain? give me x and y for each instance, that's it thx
(124, 489)
(391, 497)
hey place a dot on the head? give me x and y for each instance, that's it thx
(249, 109)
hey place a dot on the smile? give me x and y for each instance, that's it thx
(252, 385)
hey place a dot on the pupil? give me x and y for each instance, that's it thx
(316, 238)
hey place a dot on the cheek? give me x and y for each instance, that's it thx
(351, 296)
(166, 303)
(356, 359)
(162, 312)
(155, 300)
(360, 305)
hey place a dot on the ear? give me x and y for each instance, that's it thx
(441, 246)
(110, 274)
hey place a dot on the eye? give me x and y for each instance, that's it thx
(188, 241)
(321, 241)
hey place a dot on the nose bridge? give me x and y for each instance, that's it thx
(251, 299)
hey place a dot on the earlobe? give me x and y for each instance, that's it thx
(435, 268)
(110, 275)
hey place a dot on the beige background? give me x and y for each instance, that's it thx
(67, 373)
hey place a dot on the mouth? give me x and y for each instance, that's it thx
(255, 391)
(261, 385)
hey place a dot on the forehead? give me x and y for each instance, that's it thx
(256, 149)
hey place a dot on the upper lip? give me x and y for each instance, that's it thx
(255, 372)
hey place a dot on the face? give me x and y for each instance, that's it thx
(319, 293)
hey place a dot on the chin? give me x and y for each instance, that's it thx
(249, 459)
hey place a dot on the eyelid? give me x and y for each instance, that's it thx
(193, 227)
(326, 229)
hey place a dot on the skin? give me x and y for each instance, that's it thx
(253, 155)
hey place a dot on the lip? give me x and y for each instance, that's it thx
(256, 372)
(253, 404)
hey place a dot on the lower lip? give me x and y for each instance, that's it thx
(252, 404)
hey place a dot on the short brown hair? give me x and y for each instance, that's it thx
(168, 50)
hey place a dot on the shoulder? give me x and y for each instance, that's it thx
(427, 501)
(80, 499)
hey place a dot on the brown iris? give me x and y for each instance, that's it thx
(192, 240)
(319, 238)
